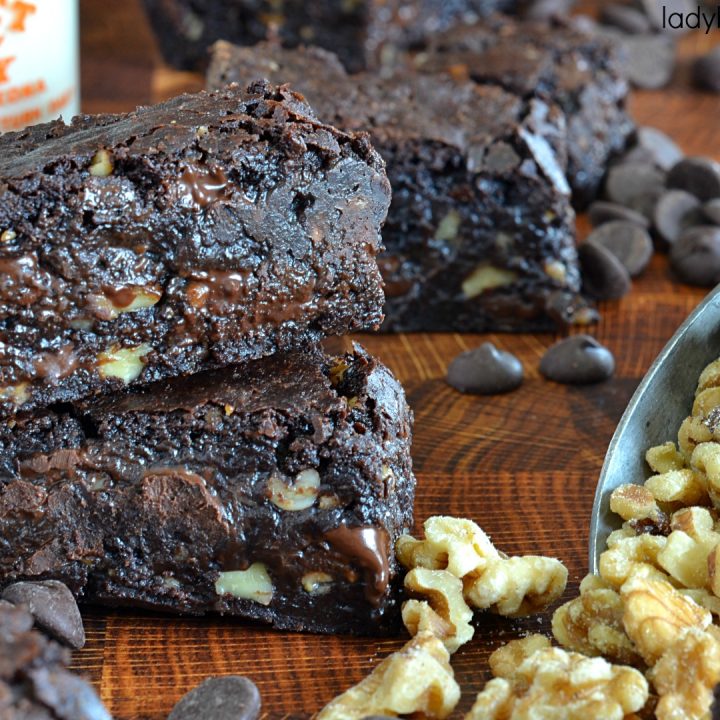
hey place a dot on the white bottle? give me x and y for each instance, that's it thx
(39, 78)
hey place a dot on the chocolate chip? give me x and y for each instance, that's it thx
(706, 71)
(675, 212)
(629, 183)
(651, 60)
(626, 18)
(485, 371)
(577, 360)
(221, 698)
(697, 175)
(601, 212)
(604, 277)
(695, 257)
(53, 606)
(628, 242)
(656, 147)
(69, 696)
(711, 209)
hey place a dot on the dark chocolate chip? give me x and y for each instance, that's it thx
(695, 257)
(601, 212)
(577, 360)
(69, 696)
(711, 209)
(675, 212)
(657, 147)
(53, 607)
(604, 277)
(706, 71)
(697, 175)
(651, 60)
(221, 698)
(628, 242)
(629, 182)
(626, 18)
(485, 371)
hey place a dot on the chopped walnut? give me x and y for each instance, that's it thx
(706, 401)
(709, 377)
(445, 613)
(416, 679)
(635, 502)
(706, 460)
(664, 458)
(510, 586)
(453, 544)
(631, 555)
(517, 586)
(553, 683)
(655, 615)
(592, 623)
(685, 676)
(678, 488)
(685, 558)
(505, 661)
(692, 433)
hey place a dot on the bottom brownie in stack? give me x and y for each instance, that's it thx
(274, 490)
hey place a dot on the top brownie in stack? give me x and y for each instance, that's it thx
(561, 61)
(364, 33)
(209, 229)
(480, 233)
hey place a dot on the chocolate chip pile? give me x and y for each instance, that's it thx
(654, 193)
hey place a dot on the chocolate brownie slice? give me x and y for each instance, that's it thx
(480, 232)
(562, 61)
(35, 683)
(364, 33)
(207, 230)
(273, 490)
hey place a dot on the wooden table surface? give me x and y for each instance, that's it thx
(523, 465)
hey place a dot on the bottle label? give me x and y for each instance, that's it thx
(39, 78)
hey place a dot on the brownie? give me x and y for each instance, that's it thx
(364, 33)
(480, 232)
(272, 490)
(35, 683)
(207, 230)
(562, 61)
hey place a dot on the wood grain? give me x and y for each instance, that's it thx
(524, 465)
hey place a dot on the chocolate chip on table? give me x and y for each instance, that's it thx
(628, 183)
(626, 18)
(706, 71)
(697, 175)
(604, 277)
(628, 242)
(577, 360)
(653, 145)
(675, 212)
(651, 60)
(695, 257)
(485, 371)
(601, 212)
(711, 210)
(53, 607)
(221, 698)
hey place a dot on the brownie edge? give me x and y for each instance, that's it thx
(210, 229)
(273, 490)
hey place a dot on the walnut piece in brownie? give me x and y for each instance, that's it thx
(562, 61)
(273, 490)
(480, 232)
(34, 679)
(209, 229)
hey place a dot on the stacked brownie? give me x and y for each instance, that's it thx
(364, 33)
(172, 436)
(480, 232)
